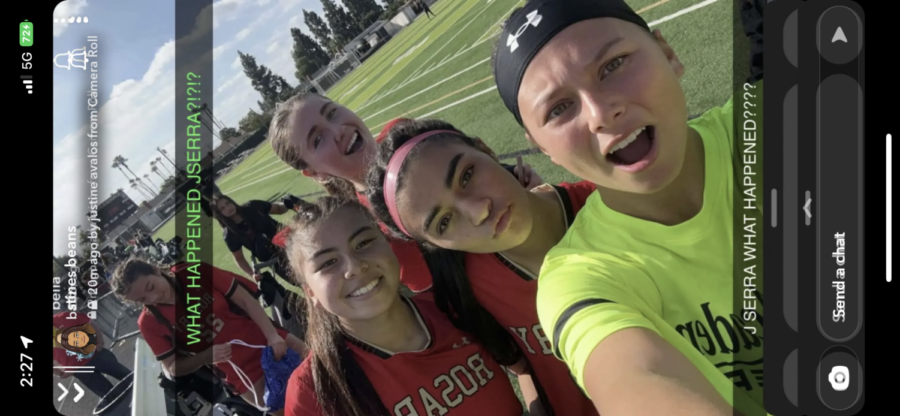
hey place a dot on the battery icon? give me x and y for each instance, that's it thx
(26, 29)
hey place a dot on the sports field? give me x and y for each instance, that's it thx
(440, 68)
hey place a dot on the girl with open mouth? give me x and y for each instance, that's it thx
(643, 278)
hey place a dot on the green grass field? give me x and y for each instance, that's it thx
(440, 68)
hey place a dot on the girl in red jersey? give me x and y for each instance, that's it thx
(486, 238)
(237, 314)
(374, 351)
(332, 145)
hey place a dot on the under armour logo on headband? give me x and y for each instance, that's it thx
(534, 19)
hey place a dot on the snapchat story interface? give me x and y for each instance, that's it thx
(85, 370)
(114, 74)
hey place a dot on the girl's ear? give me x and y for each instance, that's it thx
(310, 296)
(480, 145)
(674, 62)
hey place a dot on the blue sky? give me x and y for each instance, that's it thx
(136, 69)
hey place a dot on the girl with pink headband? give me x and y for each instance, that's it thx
(484, 238)
(331, 144)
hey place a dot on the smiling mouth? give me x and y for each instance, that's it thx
(356, 143)
(366, 289)
(633, 149)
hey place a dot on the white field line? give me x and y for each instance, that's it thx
(263, 170)
(358, 84)
(430, 70)
(232, 190)
(429, 88)
(250, 169)
(451, 105)
(443, 61)
(477, 14)
(436, 37)
(502, 18)
(682, 12)
(465, 99)
(656, 22)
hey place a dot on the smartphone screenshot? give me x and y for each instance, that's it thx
(456, 207)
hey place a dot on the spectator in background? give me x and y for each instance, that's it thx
(427, 10)
(66, 354)
(250, 226)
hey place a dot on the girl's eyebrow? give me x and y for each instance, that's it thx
(313, 128)
(448, 182)
(601, 53)
(605, 49)
(332, 249)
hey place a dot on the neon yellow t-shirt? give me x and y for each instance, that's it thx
(612, 271)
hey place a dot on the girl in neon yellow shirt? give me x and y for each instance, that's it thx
(638, 296)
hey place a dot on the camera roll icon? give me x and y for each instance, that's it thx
(839, 378)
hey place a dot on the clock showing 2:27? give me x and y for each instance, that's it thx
(26, 377)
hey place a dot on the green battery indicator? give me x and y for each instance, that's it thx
(26, 29)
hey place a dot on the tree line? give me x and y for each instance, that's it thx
(329, 35)
(311, 53)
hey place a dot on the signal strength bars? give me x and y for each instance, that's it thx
(26, 79)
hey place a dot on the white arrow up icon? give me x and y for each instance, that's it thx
(839, 35)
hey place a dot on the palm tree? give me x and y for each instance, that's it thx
(147, 177)
(116, 165)
(135, 186)
(147, 187)
(166, 154)
(158, 161)
(155, 169)
(121, 160)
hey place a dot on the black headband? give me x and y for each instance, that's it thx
(532, 26)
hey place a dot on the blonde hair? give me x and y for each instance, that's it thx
(281, 128)
(280, 136)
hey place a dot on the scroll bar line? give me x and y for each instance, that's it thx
(774, 208)
(888, 219)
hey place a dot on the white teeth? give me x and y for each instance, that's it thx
(352, 142)
(366, 289)
(624, 143)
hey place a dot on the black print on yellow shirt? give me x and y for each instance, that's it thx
(716, 335)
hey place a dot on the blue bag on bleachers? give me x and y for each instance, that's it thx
(277, 375)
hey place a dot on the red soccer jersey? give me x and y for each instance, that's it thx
(227, 324)
(509, 293)
(452, 375)
(60, 355)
